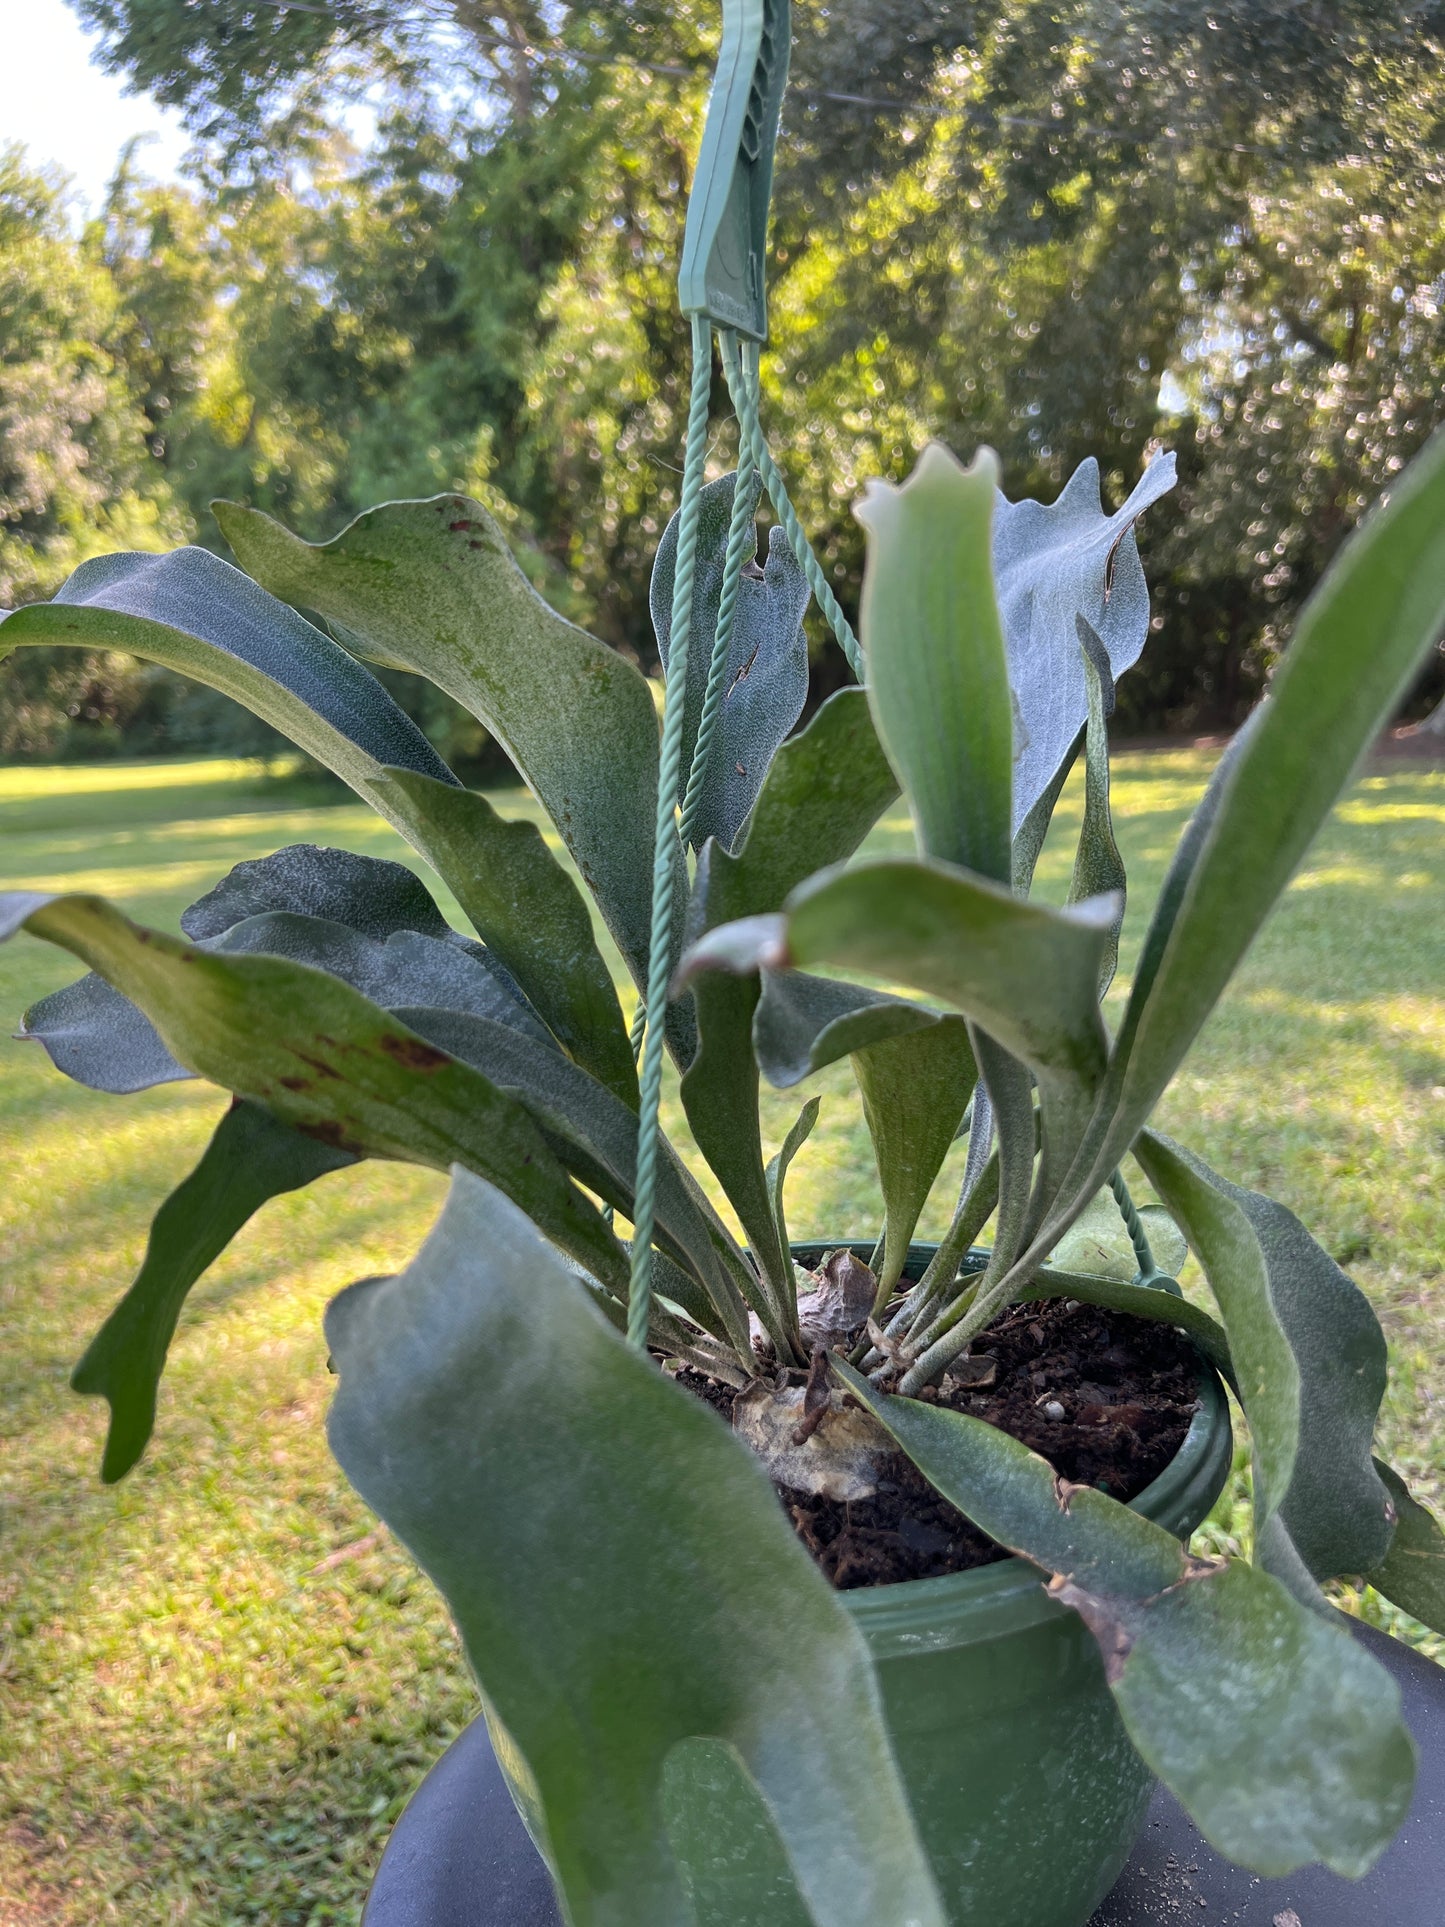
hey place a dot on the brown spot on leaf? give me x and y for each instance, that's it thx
(318, 1064)
(1112, 1637)
(1064, 1490)
(743, 673)
(1196, 1567)
(327, 1131)
(413, 1053)
(462, 526)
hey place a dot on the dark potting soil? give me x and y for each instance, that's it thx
(1127, 1388)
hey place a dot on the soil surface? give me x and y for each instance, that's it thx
(1105, 1398)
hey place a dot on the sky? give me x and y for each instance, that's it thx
(64, 110)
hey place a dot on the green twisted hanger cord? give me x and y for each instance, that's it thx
(639, 1303)
(743, 383)
(742, 540)
(744, 509)
(753, 456)
(1134, 1225)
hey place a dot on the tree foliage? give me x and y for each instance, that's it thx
(1055, 228)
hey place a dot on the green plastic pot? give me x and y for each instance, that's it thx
(1022, 1780)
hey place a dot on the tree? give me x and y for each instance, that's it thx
(76, 476)
(74, 471)
(1106, 226)
(1061, 226)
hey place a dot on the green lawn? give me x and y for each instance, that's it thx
(217, 1688)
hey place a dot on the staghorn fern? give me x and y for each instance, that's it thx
(327, 993)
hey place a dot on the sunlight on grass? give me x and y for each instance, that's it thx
(82, 779)
(217, 1683)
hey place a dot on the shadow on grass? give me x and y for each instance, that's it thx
(251, 1265)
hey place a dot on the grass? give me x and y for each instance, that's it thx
(217, 1685)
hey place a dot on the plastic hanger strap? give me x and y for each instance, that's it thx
(724, 252)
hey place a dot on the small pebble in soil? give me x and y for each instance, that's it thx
(1053, 1409)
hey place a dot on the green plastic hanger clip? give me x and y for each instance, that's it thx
(724, 250)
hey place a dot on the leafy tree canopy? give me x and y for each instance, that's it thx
(1060, 228)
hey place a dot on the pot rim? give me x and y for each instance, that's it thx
(990, 1602)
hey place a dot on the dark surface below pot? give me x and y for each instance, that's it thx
(460, 1857)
